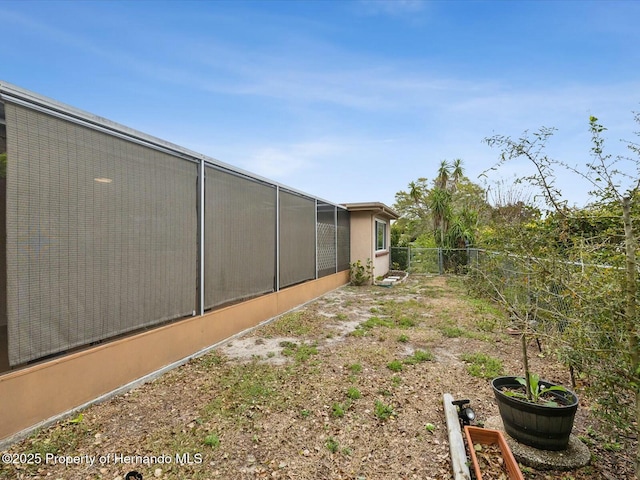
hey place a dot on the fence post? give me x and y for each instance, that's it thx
(440, 261)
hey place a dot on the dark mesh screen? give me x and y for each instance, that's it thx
(101, 235)
(344, 245)
(297, 239)
(240, 237)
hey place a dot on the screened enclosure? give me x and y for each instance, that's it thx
(105, 231)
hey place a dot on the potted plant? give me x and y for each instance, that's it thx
(535, 412)
(542, 417)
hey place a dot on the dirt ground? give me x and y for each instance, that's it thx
(349, 386)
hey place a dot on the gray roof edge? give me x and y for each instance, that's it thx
(375, 207)
(9, 92)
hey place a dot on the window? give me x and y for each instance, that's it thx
(381, 235)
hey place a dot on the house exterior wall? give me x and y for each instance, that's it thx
(93, 245)
(80, 378)
(361, 237)
(363, 241)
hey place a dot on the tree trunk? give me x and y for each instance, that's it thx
(525, 363)
(631, 288)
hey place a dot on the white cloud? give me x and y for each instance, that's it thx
(285, 161)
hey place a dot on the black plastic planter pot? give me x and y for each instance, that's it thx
(539, 426)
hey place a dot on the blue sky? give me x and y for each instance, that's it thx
(346, 100)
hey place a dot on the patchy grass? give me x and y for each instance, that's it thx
(352, 406)
(418, 357)
(482, 365)
(353, 393)
(299, 352)
(395, 366)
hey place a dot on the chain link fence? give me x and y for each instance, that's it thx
(549, 291)
(432, 261)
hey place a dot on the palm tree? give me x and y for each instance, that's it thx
(440, 204)
(415, 192)
(457, 173)
(444, 171)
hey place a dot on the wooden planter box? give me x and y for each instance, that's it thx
(486, 436)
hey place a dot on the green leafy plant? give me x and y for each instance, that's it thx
(338, 410)
(355, 368)
(383, 411)
(332, 445)
(212, 440)
(353, 393)
(395, 366)
(361, 274)
(536, 392)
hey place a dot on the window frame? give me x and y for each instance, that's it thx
(378, 247)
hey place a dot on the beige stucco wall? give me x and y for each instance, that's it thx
(363, 228)
(42, 392)
(361, 235)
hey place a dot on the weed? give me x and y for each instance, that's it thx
(210, 360)
(361, 274)
(300, 353)
(403, 338)
(296, 324)
(353, 393)
(337, 410)
(376, 322)
(305, 351)
(396, 381)
(212, 440)
(430, 427)
(482, 365)
(395, 366)
(305, 413)
(487, 324)
(586, 440)
(383, 411)
(342, 316)
(452, 332)
(63, 437)
(612, 446)
(243, 386)
(355, 368)
(418, 357)
(406, 322)
(332, 445)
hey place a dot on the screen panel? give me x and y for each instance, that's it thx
(326, 248)
(344, 241)
(101, 235)
(240, 237)
(297, 238)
